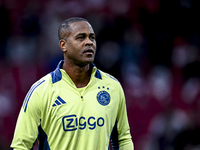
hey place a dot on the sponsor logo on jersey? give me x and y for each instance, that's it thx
(72, 122)
(103, 97)
(58, 101)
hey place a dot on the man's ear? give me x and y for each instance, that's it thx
(62, 44)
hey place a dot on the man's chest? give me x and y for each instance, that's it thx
(89, 109)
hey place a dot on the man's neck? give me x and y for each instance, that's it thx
(79, 75)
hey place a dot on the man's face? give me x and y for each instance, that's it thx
(80, 44)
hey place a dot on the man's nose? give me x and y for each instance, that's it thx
(88, 41)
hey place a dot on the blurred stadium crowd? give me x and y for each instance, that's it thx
(151, 46)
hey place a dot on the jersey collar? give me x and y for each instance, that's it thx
(57, 75)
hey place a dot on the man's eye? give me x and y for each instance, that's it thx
(92, 37)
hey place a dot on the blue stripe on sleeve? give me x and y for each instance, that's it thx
(26, 100)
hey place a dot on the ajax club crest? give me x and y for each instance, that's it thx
(103, 97)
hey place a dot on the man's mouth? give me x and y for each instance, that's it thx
(89, 51)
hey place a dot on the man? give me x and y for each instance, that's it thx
(77, 106)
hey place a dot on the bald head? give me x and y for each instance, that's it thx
(64, 28)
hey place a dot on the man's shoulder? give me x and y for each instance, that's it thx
(42, 83)
(108, 77)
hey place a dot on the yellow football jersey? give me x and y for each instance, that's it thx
(63, 117)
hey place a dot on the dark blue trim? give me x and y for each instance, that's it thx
(42, 137)
(114, 138)
(56, 75)
(98, 74)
